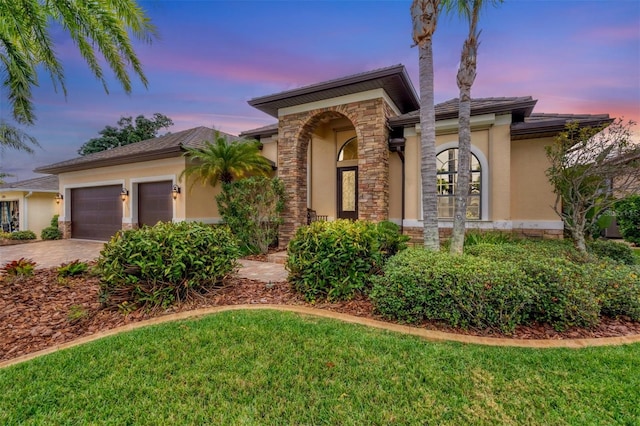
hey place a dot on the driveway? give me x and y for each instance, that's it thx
(48, 254)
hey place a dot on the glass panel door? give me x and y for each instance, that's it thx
(348, 193)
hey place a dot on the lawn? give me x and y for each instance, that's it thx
(636, 252)
(266, 367)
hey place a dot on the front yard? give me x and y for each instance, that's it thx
(265, 367)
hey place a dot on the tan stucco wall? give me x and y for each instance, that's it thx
(532, 194)
(36, 211)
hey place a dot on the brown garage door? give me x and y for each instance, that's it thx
(96, 212)
(154, 203)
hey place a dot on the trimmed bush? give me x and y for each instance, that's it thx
(463, 291)
(333, 260)
(618, 289)
(157, 266)
(628, 218)
(390, 239)
(52, 232)
(23, 235)
(618, 252)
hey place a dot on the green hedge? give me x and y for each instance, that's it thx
(23, 235)
(463, 291)
(619, 252)
(156, 266)
(556, 285)
(335, 260)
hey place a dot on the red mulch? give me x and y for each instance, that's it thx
(35, 311)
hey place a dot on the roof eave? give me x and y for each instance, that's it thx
(173, 151)
(521, 131)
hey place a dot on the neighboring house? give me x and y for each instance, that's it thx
(29, 204)
(345, 148)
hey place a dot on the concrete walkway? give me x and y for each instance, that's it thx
(49, 254)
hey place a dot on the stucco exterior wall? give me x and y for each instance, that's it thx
(35, 211)
(532, 194)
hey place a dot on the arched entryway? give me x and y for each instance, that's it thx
(313, 177)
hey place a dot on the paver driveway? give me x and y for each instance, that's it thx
(48, 254)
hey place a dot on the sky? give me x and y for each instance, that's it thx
(212, 56)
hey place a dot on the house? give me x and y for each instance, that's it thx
(345, 148)
(29, 204)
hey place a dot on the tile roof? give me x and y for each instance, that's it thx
(170, 145)
(39, 184)
(545, 124)
(394, 80)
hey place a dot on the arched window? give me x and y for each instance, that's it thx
(447, 163)
(349, 150)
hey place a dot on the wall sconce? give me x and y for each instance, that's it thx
(175, 191)
(123, 194)
(59, 198)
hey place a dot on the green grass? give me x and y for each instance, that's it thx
(266, 367)
(636, 253)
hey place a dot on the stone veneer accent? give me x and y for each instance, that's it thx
(369, 119)
(445, 233)
(65, 227)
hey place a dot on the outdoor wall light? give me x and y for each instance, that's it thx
(175, 191)
(123, 194)
(59, 198)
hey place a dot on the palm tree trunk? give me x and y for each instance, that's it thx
(428, 170)
(465, 79)
(424, 15)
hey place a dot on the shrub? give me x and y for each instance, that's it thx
(390, 240)
(475, 237)
(618, 289)
(333, 260)
(628, 218)
(21, 267)
(23, 235)
(52, 232)
(251, 208)
(463, 291)
(156, 266)
(73, 268)
(5, 235)
(619, 252)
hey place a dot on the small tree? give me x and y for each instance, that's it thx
(591, 167)
(251, 208)
(128, 131)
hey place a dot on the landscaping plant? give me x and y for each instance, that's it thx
(251, 208)
(618, 252)
(156, 266)
(19, 268)
(335, 260)
(628, 218)
(73, 268)
(52, 232)
(23, 235)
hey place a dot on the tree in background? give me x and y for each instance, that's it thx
(470, 9)
(99, 26)
(128, 131)
(225, 161)
(591, 168)
(424, 16)
(628, 216)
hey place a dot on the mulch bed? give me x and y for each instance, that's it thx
(40, 311)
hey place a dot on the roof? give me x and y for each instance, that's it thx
(167, 146)
(520, 106)
(394, 80)
(39, 184)
(543, 125)
(264, 131)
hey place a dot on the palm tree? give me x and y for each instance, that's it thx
(13, 137)
(226, 161)
(470, 9)
(26, 45)
(424, 16)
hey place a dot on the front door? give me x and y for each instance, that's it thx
(348, 192)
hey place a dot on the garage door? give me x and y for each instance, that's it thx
(96, 212)
(154, 203)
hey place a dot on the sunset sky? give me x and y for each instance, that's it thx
(213, 56)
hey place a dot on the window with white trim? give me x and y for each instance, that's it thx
(447, 175)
